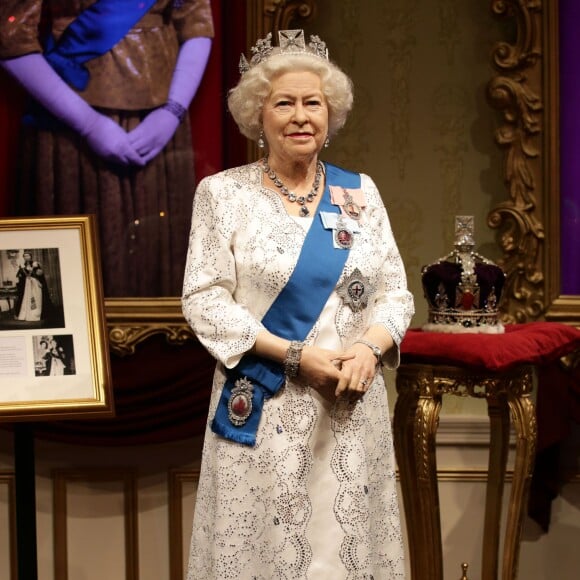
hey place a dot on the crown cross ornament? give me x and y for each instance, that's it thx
(289, 41)
(463, 289)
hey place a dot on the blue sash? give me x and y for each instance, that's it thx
(318, 268)
(94, 32)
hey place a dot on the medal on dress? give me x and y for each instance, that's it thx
(343, 236)
(350, 207)
(240, 402)
(355, 290)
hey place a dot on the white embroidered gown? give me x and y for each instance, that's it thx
(316, 497)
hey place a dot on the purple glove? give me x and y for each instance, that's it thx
(109, 141)
(103, 135)
(154, 132)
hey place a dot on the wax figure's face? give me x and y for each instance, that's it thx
(295, 117)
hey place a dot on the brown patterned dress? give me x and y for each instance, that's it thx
(143, 213)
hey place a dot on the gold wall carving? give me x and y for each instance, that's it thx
(516, 91)
(526, 91)
(130, 322)
(281, 14)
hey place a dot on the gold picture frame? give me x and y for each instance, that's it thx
(560, 307)
(54, 354)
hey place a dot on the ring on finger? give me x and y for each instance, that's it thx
(364, 382)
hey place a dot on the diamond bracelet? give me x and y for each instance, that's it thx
(292, 360)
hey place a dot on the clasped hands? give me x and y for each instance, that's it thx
(335, 374)
(136, 147)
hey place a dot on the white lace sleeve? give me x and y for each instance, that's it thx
(226, 328)
(394, 306)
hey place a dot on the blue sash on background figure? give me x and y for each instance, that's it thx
(319, 267)
(95, 31)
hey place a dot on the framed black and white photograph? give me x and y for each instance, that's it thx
(31, 289)
(54, 356)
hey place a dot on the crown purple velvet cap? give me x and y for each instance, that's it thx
(463, 289)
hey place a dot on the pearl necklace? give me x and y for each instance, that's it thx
(300, 199)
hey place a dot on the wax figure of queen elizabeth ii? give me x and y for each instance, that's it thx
(295, 285)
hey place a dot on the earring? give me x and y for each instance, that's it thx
(327, 142)
(261, 143)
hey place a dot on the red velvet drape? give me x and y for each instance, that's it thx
(162, 391)
(11, 106)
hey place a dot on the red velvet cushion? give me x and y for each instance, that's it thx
(535, 343)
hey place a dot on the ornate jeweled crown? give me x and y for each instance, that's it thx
(290, 42)
(463, 289)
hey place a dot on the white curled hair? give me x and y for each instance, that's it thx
(246, 99)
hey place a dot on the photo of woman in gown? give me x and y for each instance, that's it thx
(32, 291)
(57, 359)
(54, 355)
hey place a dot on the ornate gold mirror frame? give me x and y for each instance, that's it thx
(525, 91)
(132, 320)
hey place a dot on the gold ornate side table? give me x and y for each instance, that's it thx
(420, 388)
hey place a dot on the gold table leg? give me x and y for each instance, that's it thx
(499, 429)
(420, 389)
(415, 426)
(524, 420)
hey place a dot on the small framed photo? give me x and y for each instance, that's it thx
(54, 356)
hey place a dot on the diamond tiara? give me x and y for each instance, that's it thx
(290, 42)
